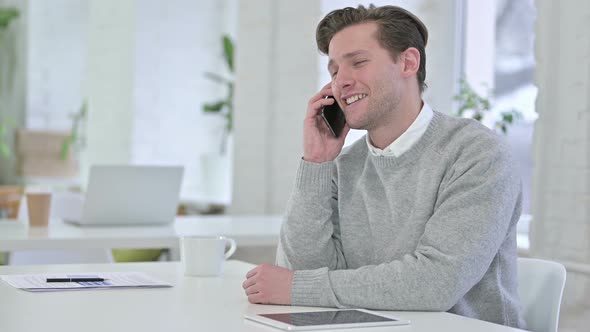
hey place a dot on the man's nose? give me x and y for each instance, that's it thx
(343, 79)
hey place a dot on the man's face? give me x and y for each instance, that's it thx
(365, 79)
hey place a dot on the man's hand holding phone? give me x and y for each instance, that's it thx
(319, 143)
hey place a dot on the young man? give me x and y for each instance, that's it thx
(420, 215)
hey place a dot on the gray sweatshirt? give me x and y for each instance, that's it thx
(433, 229)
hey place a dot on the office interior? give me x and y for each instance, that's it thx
(127, 83)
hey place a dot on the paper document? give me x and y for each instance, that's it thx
(38, 282)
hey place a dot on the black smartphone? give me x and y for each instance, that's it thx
(334, 117)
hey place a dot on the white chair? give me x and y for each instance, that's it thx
(540, 286)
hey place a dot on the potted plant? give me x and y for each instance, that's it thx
(7, 15)
(9, 196)
(75, 140)
(46, 153)
(5, 150)
(225, 106)
(216, 168)
(477, 107)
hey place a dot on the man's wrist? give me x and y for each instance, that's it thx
(316, 160)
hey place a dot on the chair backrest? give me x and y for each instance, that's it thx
(540, 286)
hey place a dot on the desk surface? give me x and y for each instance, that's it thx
(193, 304)
(246, 230)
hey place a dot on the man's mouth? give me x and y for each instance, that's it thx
(355, 98)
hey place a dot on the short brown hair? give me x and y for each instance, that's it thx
(398, 30)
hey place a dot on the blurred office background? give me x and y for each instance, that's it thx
(137, 71)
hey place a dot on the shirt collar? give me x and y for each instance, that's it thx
(408, 138)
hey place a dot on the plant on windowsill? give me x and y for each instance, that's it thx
(216, 167)
(10, 196)
(477, 107)
(7, 15)
(5, 150)
(75, 140)
(224, 107)
(45, 154)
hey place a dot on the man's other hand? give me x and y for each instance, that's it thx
(269, 284)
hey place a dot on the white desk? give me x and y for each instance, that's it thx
(193, 304)
(246, 230)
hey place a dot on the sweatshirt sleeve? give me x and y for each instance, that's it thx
(475, 208)
(310, 234)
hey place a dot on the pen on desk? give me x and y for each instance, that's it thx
(74, 279)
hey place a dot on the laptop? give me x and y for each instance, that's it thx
(131, 195)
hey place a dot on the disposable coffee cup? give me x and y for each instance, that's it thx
(38, 205)
(203, 256)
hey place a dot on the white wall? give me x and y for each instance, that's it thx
(443, 52)
(109, 82)
(56, 40)
(171, 45)
(177, 42)
(561, 208)
(276, 76)
(140, 65)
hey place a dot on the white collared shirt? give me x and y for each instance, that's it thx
(408, 138)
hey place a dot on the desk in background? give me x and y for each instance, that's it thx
(193, 304)
(248, 231)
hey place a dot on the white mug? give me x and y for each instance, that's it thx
(202, 256)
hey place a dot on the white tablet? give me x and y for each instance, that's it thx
(323, 320)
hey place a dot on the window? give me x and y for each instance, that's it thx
(514, 87)
(499, 56)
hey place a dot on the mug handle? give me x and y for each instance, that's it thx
(232, 248)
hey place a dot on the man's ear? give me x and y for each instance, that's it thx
(411, 62)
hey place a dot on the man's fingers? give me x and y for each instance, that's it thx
(255, 298)
(315, 107)
(252, 290)
(252, 272)
(325, 91)
(248, 282)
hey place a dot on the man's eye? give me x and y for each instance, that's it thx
(334, 74)
(360, 62)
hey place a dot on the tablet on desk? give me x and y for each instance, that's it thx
(323, 320)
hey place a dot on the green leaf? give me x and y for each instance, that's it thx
(229, 125)
(4, 150)
(228, 52)
(7, 15)
(65, 149)
(217, 78)
(214, 107)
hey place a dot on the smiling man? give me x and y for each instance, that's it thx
(420, 215)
